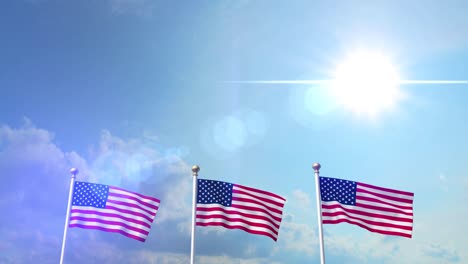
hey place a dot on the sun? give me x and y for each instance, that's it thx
(367, 83)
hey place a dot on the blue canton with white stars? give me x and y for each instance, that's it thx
(339, 190)
(214, 192)
(90, 194)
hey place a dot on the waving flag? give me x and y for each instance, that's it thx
(112, 209)
(235, 206)
(374, 208)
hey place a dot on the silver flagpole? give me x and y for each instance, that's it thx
(316, 166)
(195, 170)
(73, 173)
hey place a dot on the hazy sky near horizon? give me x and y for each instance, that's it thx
(135, 92)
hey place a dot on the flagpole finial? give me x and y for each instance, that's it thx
(195, 170)
(74, 172)
(316, 166)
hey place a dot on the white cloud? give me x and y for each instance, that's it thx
(30, 153)
(301, 198)
(35, 186)
(136, 164)
(437, 237)
(297, 237)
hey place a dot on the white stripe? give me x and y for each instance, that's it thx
(362, 209)
(116, 191)
(113, 227)
(107, 218)
(111, 211)
(258, 213)
(125, 200)
(382, 199)
(232, 216)
(259, 194)
(382, 228)
(133, 209)
(258, 202)
(364, 217)
(396, 195)
(233, 224)
(257, 206)
(409, 211)
(238, 195)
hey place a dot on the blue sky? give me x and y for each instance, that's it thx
(135, 92)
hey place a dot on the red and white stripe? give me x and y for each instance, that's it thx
(252, 210)
(128, 213)
(377, 209)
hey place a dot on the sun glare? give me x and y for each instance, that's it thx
(367, 83)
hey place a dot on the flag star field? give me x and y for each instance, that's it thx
(339, 190)
(88, 194)
(214, 192)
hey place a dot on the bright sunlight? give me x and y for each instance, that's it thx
(367, 83)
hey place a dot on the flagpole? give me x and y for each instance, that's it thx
(195, 170)
(73, 173)
(316, 166)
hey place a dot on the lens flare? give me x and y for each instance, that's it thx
(367, 83)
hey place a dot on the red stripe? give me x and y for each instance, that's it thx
(384, 189)
(247, 200)
(110, 230)
(155, 207)
(153, 212)
(255, 209)
(239, 227)
(246, 215)
(393, 218)
(230, 212)
(131, 220)
(259, 191)
(401, 200)
(266, 200)
(370, 222)
(384, 209)
(358, 197)
(236, 219)
(368, 228)
(141, 195)
(114, 223)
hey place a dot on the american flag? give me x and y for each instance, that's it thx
(235, 206)
(374, 208)
(112, 209)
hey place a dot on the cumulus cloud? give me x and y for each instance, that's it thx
(31, 163)
(139, 165)
(424, 247)
(439, 252)
(298, 237)
(35, 185)
(301, 197)
(34, 191)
